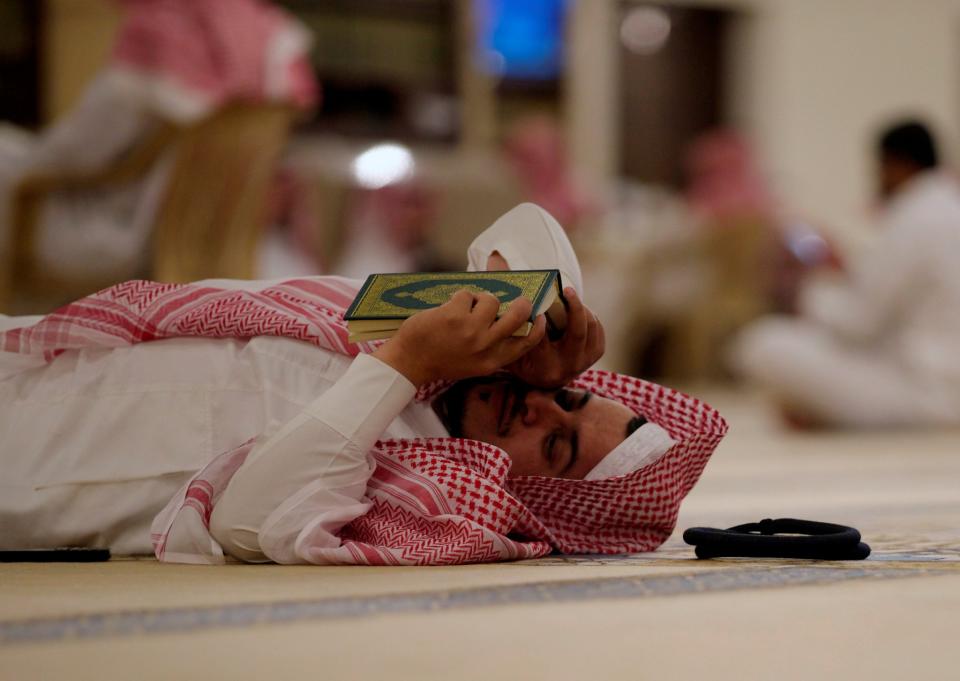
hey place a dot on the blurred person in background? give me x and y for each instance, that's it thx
(724, 182)
(727, 191)
(534, 148)
(389, 230)
(879, 347)
(173, 61)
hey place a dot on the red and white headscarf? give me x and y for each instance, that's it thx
(725, 181)
(535, 148)
(187, 57)
(434, 501)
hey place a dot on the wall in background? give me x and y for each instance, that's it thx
(20, 62)
(77, 38)
(809, 81)
(822, 75)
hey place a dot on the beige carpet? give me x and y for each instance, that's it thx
(662, 615)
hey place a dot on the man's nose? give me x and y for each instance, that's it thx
(541, 406)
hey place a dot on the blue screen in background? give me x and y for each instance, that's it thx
(522, 38)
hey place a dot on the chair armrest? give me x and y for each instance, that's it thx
(29, 193)
(130, 166)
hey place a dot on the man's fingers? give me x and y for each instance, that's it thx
(496, 262)
(512, 319)
(461, 301)
(538, 331)
(602, 335)
(485, 308)
(514, 347)
(576, 331)
(594, 344)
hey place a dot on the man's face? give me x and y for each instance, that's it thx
(555, 433)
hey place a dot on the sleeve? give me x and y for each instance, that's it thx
(102, 126)
(528, 238)
(876, 291)
(306, 480)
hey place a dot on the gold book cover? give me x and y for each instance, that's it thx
(387, 299)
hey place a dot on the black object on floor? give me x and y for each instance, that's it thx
(68, 554)
(781, 538)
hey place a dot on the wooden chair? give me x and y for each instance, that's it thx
(738, 258)
(683, 299)
(209, 221)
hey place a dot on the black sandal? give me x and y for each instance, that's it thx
(800, 539)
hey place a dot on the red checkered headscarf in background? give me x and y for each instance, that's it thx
(433, 501)
(190, 56)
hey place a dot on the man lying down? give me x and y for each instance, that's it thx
(249, 427)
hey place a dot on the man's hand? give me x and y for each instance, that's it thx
(553, 364)
(460, 339)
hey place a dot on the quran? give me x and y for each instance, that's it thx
(386, 300)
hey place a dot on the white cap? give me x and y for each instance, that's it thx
(644, 446)
(528, 238)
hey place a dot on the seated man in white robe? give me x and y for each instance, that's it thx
(879, 348)
(172, 64)
(96, 442)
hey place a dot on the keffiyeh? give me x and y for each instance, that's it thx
(187, 57)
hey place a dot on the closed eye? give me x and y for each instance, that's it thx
(568, 401)
(574, 454)
(552, 451)
(550, 448)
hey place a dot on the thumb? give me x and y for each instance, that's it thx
(515, 315)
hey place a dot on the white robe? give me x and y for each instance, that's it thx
(85, 233)
(104, 233)
(879, 349)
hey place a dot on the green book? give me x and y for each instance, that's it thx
(386, 300)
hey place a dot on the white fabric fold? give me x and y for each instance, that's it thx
(528, 238)
(644, 446)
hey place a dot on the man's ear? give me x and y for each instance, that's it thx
(496, 263)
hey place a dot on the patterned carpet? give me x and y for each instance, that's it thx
(889, 560)
(182, 620)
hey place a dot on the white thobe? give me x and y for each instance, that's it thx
(98, 441)
(82, 233)
(880, 348)
(104, 232)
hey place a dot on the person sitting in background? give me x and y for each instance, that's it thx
(728, 192)
(534, 149)
(724, 182)
(273, 448)
(388, 229)
(173, 61)
(878, 348)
